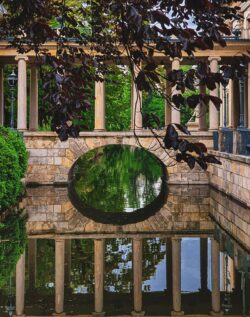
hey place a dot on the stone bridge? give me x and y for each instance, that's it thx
(50, 159)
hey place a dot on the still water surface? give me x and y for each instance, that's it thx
(190, 255)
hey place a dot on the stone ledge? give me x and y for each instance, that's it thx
(142, 133)
(231, 157)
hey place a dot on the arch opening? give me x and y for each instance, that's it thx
(118, 184)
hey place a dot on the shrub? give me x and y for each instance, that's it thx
(10, 175)
(13, 239)
(15, 139)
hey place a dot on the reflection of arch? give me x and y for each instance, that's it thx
(95, 211)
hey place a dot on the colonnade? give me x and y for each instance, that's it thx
(62, 273)
(172, 115)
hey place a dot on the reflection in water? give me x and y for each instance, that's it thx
(117, 178)
(177, 260)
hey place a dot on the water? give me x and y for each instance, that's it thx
(75, 264)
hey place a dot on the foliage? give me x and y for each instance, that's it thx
(102, 32)
(15, 139)
(13, 163)
(117, 178)
(13, 240)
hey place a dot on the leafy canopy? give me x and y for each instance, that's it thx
(92, 34)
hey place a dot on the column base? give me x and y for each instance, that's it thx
(23, 315)
(95, 314)
(99, 130)
(140, 313)
(177, 313)
(204, 290)
(213, 313)
(58, 314)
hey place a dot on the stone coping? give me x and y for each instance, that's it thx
(142, 133)
(96, 235)
(90, 315)
(231, 157)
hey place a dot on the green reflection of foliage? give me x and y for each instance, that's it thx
(117, 177)
(13, 239)
(83, 264)
(45, 265)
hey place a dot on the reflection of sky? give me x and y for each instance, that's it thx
(141, 191)
(190, 268)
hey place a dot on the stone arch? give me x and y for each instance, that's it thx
(78, 147)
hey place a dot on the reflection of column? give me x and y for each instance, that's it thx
(248, 95)
(59, 278)
(99, 278)
(169, 266)
(176, 264)
(22, 92)
(33, 124)
(203, 264)
(136, 103)
(1, 96)
(20, 285)
(32, 251)
(213, 112)
(168, 100)
(202, 111)
(100, 111)
(215, 269)
(231, 270)
(67, 262)
(137, 276)
(176, 115)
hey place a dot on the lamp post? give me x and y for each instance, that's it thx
(12, 80)
(224, 84)
(242, 103)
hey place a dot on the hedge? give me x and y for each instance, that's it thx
(13, 164)
(13, 239)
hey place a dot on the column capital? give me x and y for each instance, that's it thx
(214, 58)
(21, 56)
(59, 240)
(176, 239)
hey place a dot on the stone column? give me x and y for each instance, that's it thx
(137, 276)
(169, 266)
(67, 262)
(203, 264)
(175, 114)
(136, 103)
(231, 117)
(248, 95)
(215, 271)
(1, 96)
(32, 254)
(213, 112)
(22, 92)
(100, 111)
(176, 267)
(33, 124)
(59, 276)
(168, 109)
(202, 109)
(20, 285)
(99, 246)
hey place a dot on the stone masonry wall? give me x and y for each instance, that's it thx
(50, 159)
(233, 217)
(232, 177)
(50, 212)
